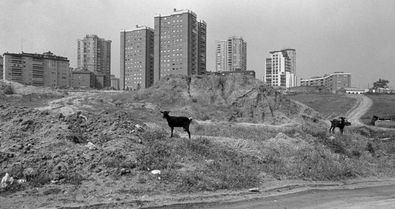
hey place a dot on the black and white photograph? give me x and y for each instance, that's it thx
(197, 104)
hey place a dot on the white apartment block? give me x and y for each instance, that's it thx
(281, 68)
(333, 81)
(231, 54)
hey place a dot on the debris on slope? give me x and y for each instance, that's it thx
(235, 98)
(44, 147)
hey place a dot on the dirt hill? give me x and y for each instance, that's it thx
(224, 98)
(117, 149)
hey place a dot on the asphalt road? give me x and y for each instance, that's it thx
(379, 197)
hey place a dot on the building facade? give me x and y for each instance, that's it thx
(115, 83)
(281, 68)
(83, 79)
(333, 81)
(137, 58)
(231, 54)
(179, 44)
(244, 72)
(94, 54)
(47, 69)
(1, 67)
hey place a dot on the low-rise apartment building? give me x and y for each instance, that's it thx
(334, 81)
(83, 79)
(46, 70)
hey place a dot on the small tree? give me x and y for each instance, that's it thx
(381, 83)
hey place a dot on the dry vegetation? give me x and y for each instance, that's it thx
(383, 106)
(131, 139)
(329, 105)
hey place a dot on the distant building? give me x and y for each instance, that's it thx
(382, 90)
(334, 81)
(94, 54)
(244, 72)
(115, 82)
(83, 79)
(231, 54)
(137, 58)
(1, 67)
(355, 91)
(180, 44)
(281, 68)
(47, 69)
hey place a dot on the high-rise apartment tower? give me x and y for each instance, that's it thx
(180, 44)
(94, 54)
(231, 55)
(281, 68)
(137, 58)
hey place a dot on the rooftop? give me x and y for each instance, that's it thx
(325, 76)
(283, 50)
(178, 12)
(138, 27)
(94, 36)
(45, 55)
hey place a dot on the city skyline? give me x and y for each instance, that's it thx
(353, 36)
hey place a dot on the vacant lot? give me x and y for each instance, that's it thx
(383, 106)
(329, 105)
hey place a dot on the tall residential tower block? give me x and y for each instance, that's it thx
(180, 44)
(137, 58)
(94, 54)
(281, 68)
(231, 55)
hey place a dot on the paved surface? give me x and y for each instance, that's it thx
(379, 197)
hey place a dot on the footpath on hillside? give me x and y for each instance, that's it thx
(360, 108)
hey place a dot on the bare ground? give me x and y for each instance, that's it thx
(366, 195)
(109, 199)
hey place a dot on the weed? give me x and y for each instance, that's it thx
(40, 179)
(228, 169)
(157, 154)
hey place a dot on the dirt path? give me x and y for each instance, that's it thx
(360, 108)
(369, 197)
(245, 124)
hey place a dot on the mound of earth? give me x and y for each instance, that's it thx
(235, 98)
(114, 147)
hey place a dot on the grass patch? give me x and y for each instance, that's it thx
(382, 107)
(329, 105)
(221, 168)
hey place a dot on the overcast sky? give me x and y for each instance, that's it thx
(356, 36)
